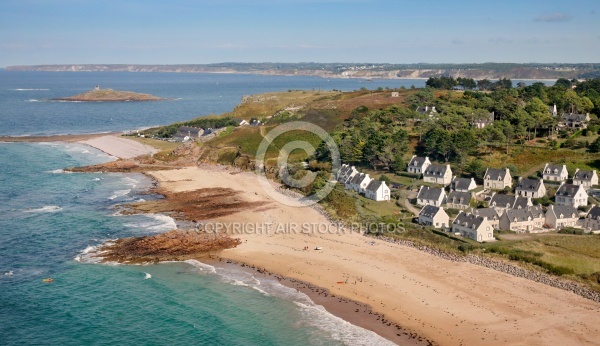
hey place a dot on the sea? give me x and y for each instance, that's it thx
(51, 220)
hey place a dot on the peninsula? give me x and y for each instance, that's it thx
(109, 95)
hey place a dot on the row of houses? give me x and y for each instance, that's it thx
(362, 183)
(479, 224)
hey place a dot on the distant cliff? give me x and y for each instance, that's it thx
(346, 70)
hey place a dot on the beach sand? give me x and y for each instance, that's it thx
(112, 144)
(448, 302)
(119, 146)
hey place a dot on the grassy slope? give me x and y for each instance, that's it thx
(329, 109)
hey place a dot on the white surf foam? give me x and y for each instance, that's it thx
(119, 193)
(148, 276)
(337, 328)
(153, 222)
(96, 179)
(207, 268)
(9, 273)
(30, 89)
(58, 171)
(45, 209)
(33, 100)
(312, 314)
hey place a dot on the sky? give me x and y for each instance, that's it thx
(351, 31)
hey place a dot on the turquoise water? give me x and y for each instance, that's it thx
(51, 220)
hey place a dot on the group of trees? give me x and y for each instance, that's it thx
(448, 83)
(380, 138)
(376, 139)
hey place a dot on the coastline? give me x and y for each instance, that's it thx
(429, 297)
(112, 144)
(447, 302)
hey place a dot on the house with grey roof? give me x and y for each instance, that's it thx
(489, 214)
(342, 171)
(458, 200)
(431, 196)
(530, 188)
(418, 164)
(587, 179)
(481, 123)
(434, 216)
(554, 172)
(497, 179)
(360, 182)
(427, 110)
(569, 194)
(560, 216)
(463, 184)
(377, 190)
(438, 174)
(530, 219)
(346, 173)
(591, 222)
(187, 133)
(574, 120)
(501, 202)
(471, 226)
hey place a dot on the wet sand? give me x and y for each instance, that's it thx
(448, 302)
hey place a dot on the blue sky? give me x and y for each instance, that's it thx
(210, 31)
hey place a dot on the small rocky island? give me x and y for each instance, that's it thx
(109, 95)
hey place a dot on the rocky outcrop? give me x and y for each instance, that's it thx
(175, 245)
(109, 95)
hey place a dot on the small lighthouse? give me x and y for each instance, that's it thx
(97, 87)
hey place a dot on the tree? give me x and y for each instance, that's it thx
(539, 112)
(564, 83)
(484, 84)
(595, 146)
(385, 179)
(438, 142)
(398, 165)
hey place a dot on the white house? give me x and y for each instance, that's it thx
(483, 122)
(431, 196)
(241, 122)
(434, 216)
(438, 174)
(458, 200)
(573, 120)
(592, 219)
(418, 164)
(346, 173)
(427, 110)
(489, 214)
(502, 202)
(552, 109)
(554, 172)
(530, 188)
(463, 184)
(587, 179)
(497, 179)
(523, 220)
(359, 182)
(569, 194)
(561, 216)
(472, 226)
(377, 190)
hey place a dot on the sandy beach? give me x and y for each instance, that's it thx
(119, 146)
(448, 302)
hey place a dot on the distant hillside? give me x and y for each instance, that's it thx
(348, 70)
